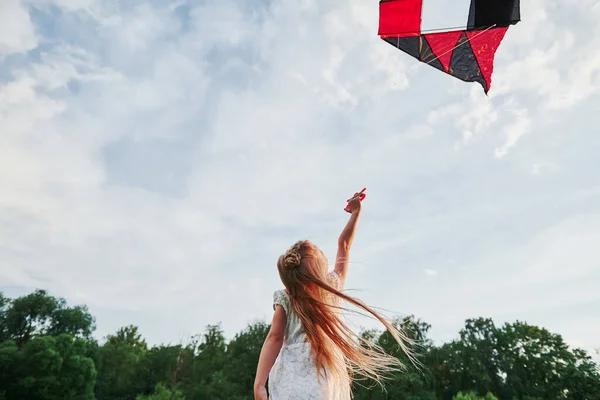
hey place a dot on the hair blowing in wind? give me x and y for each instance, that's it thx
(337, 349)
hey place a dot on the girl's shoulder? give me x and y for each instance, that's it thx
(281, 298)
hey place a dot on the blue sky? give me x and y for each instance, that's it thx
(157, 157)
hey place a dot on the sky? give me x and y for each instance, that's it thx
(156, 157)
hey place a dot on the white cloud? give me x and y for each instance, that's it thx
(17, 33)
(520, 126)
(156, 159)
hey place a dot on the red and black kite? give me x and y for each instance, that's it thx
(459, 37)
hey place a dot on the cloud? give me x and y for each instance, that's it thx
(17, 33)
(156, 159)
(514, 132)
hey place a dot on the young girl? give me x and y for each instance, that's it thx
(310, 353)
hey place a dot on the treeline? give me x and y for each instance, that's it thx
(47, 353)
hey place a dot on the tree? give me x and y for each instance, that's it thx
(515, 361)
(164, 365)
(50, 368)
(162, 392)
(39, 314)
(242, 357)
(47, 353)
(29, 315)
(205, 377)
(118, 365)
(8, 359)
(128, 336)
(76, 321)
(582, 377)
(446, 365)
(474, 396)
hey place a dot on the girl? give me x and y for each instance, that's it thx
(310, 353)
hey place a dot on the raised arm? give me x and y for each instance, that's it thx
(346, 238)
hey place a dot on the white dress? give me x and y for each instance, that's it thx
(294, 375)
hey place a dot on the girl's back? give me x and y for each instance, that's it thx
(294, 374)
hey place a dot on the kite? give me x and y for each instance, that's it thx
(458, 37)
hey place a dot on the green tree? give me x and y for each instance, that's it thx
(76, 321)
(118, 365)
(165, 365)
(446, 365)
(29, 315)
(474, 396)
(8, 358)
(47, 353)
(128, 336)
(205, 378)
(582, 377)
(50, 368)
(162, 392)
(39, 314)
(242, 357)
(515, 361)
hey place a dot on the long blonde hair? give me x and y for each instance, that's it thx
(339, 352)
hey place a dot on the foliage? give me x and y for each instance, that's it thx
(474, 396)
(48, 368)
(39, 314)
(47, 353)
(162, 392)
(513, 361)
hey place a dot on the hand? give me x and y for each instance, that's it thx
(260, 393)
(354, 204)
